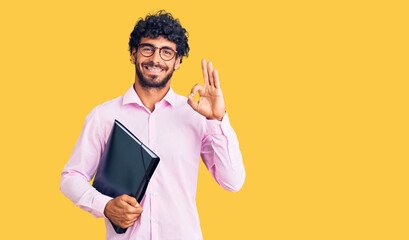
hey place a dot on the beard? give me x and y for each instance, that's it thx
(151, 83)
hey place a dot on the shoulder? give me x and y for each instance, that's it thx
(108, 107)
(102, 116)
(106, 111)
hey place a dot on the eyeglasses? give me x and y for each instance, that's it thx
(165, 53)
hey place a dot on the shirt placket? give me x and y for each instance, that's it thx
(153, 185)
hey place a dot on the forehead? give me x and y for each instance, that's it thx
(158, 42)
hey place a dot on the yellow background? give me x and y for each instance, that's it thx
(317, 92)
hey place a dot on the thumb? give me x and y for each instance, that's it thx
(192, 102)
(130, 200)
(193, 92)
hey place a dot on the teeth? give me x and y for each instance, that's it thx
(154, 69)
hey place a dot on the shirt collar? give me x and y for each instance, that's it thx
(170, 97)
(132, 97)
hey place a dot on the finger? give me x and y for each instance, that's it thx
(134, 215)
(122, 224)
(192, 103)
(204, 71)
(139, 210)
(131, 217)
(210, 73)
(130, 200)
(190, 97)
(128, 224)
(197, 88)
(135, 211)
(216, 79)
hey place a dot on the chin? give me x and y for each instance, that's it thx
(153, 81)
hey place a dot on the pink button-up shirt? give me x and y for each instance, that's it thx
(178, 135)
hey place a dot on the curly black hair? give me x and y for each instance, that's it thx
(161, 24)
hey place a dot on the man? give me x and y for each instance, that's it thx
(176, 128)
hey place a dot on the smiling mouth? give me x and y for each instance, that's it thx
(153, 69)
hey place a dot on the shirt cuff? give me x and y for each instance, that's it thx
(98, 206)
(219, 127)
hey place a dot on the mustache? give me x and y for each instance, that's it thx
(152, 64)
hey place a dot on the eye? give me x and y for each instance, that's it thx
(147, 48)
(167, 52)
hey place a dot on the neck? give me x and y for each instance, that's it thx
(150, 96)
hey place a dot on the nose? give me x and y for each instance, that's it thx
(156, 56)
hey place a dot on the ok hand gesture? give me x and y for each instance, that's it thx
(211, 102)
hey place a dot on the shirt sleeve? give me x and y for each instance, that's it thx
(221, 154)
(81, 167)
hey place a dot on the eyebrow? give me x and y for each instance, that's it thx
(148, 44)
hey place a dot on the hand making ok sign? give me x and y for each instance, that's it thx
(211, 102)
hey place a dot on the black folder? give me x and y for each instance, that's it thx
(125, 167)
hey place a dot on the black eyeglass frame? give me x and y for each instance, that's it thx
(154, 50)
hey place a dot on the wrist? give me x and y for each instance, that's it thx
(219, 118)
(106, 209)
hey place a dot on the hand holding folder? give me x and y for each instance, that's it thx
(123, 211)
(125, 167)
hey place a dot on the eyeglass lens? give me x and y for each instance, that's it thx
(165, 53)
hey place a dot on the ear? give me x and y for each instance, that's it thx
(177, 63)
(133, 55)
